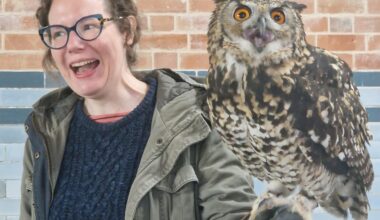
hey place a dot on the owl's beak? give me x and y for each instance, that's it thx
(259, 35)
(262, 25)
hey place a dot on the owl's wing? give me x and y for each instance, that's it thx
(333, 117)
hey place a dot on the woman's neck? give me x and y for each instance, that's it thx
(124, 97)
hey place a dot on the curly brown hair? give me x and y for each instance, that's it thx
(117, 8)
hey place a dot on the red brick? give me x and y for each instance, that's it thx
(315, 24)
(29, 23)
(341, 42)
(161, 6)
(18, 23)
(198, 41)
(341, 24)
(193, 23)
(23, 42)
(347, 57)
(309, 4)
(341, 6)
(144, 60)
(185, 46)
(144, 22)
(164, 41)
(194, 61)
(202, 5)
(21, 5)
(374, 42)
(165, 60)
(368, 61)
(367, 24)
(15, 61)
(374, 6)
(162, 23)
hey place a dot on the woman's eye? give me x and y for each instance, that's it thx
(89, 27)
(242, 13)
(278, 16)
(58, 34)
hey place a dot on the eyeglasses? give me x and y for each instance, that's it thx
(87, 28)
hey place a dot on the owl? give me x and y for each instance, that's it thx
(288, 110)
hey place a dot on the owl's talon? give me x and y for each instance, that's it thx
(269, 207)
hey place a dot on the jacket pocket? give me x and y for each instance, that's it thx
(174, 181)
(174, 195)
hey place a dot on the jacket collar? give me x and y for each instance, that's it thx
(170, 85)
(177, 123)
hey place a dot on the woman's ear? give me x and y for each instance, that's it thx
(130, 34)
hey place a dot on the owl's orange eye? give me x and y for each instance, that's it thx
(242, 13)
(278, 16)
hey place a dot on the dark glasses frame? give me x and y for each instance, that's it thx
(99, 17)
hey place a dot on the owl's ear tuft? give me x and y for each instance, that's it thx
(294, 5)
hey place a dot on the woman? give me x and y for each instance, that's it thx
(117, 145)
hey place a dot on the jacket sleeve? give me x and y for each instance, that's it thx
(26, 211)
(225, 187)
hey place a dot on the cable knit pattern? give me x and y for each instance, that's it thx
(100, 163)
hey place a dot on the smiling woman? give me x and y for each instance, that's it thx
(173, 35)
(93, 63)
(116, 144)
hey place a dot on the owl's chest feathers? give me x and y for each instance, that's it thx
(278, 152)
(267, 93)
(265, 90)
(262, 94)
(260, 97)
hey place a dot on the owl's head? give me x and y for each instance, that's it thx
(261, 28)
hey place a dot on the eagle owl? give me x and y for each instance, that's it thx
(289, 110)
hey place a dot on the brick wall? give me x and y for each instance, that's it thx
(174, 36)
(174, 32)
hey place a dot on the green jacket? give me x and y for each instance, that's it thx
(183, 159)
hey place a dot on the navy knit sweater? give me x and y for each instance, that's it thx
(100, 163)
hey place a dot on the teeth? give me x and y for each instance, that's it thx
(82, 63)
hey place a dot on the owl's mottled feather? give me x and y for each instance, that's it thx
(289, 110)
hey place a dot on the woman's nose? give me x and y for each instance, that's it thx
(74, 42)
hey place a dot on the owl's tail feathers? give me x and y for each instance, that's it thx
(339, 205)
(334, 207)
(360, 206)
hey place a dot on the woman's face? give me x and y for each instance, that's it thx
(92, 69)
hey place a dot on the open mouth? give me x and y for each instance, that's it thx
(83, 66)
(258, 38)
(262, 41)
